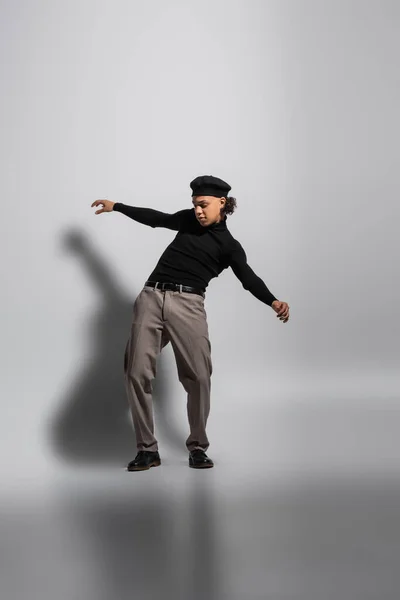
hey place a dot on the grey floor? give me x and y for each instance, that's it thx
(303, 504)
(228, 533)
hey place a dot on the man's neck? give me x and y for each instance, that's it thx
(221, 220)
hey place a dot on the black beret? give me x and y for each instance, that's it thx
(207, 185)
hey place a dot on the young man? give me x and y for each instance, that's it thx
(170, 308)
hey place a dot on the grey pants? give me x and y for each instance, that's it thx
(160, 317)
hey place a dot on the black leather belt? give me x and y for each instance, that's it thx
(175, 287)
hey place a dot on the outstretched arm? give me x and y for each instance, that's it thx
(152, 217)
(245, 274)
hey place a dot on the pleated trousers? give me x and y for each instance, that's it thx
(159, 317)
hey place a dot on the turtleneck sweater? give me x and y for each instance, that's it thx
(198, 253)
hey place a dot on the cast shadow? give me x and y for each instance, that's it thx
(148, 545)
(93, 422)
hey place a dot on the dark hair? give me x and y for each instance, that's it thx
(230, 205)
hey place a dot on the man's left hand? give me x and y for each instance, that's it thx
(282, 310)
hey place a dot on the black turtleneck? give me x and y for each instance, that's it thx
(198, 253)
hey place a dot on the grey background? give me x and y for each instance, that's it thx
(295, 104)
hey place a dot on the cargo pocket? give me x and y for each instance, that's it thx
(210, 365)
(126, 356)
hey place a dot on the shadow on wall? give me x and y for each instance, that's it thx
(93, 423)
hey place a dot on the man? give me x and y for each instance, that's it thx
(170, 308)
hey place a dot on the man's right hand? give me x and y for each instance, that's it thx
(106, 204)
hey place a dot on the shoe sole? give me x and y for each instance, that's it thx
(200, 466)
(153, 464)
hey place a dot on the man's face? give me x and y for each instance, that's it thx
(208, 209)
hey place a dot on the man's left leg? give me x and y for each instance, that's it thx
(186, 324)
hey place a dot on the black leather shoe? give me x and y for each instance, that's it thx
(198, 459)
(143, 460)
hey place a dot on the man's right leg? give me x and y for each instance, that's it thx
(146, 341)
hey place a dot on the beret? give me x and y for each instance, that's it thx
(208, 185)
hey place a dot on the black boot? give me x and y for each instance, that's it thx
(198, 459)
(143, 460)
